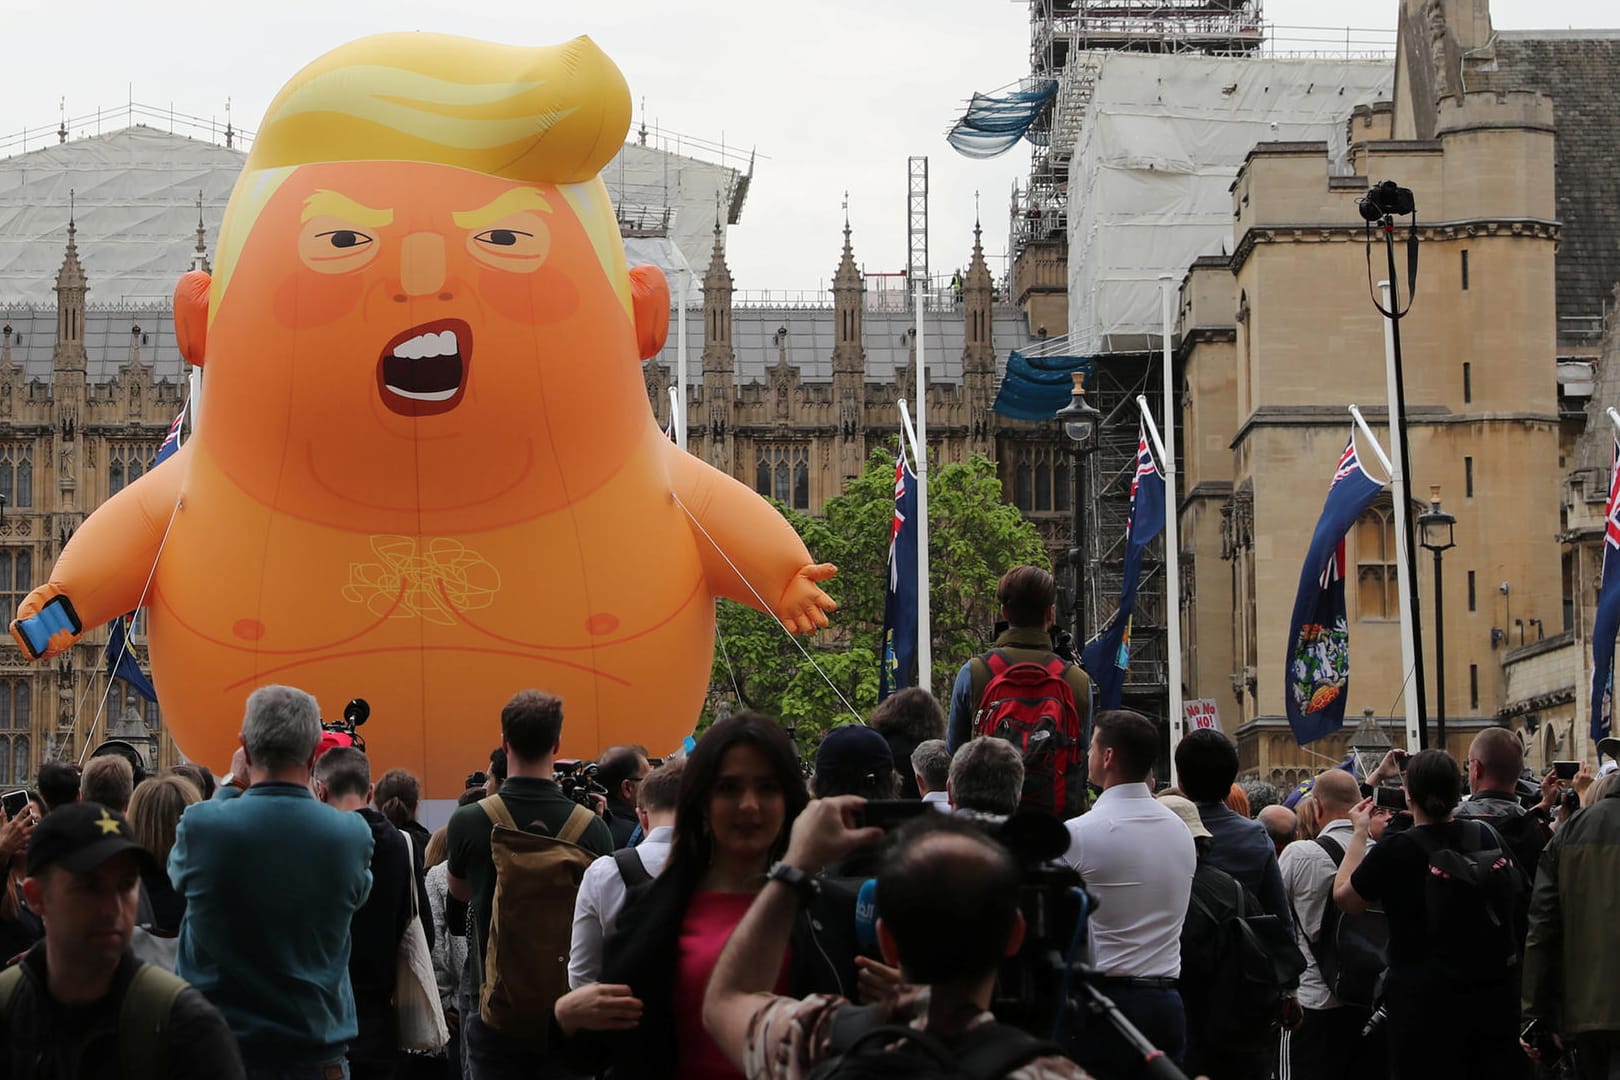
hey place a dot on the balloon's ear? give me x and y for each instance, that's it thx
(650, 293)
(191, 314)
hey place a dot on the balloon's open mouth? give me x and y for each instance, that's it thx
(423, 370)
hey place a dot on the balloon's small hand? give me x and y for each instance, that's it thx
(804, 607)
(46, 625)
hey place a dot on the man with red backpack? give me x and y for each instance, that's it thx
(1024, 692)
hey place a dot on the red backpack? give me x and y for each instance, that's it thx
(1032, 706)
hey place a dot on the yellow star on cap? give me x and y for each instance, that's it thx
(108, 823)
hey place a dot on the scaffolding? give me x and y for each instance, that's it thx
(1067, 38)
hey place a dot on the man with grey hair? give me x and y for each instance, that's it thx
(271, 879)
(931, 765)
(987, 777)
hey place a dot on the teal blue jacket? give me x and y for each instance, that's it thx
(271, 879)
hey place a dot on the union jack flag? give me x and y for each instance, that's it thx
(171, 441)
(1349, 465)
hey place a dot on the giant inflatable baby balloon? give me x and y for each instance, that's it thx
(425, 471)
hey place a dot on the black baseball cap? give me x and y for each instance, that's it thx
(854, 749)
(81, 836)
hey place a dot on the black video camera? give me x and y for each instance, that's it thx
(1387, 199)
(578, 781)
(1032, 989)
(355, 713)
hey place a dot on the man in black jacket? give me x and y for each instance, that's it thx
(80, 1005)
(621, 769)
(1495, 761)
(343, 782)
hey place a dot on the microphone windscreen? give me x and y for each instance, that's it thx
(866, 914)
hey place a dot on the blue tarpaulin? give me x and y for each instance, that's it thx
(993, 123)
(1036, 387)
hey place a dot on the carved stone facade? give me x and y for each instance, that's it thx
(68, 441)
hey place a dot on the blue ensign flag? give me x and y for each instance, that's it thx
(122, 662)
(1317, 679)
(1108, 655)
(899, 667)
(1607, 622)
(171, 441)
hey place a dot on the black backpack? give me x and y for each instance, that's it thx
(1259, 969)
(861, 1047)
(1471, 898)
(1351, 951)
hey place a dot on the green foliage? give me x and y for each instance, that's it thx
(973, 537)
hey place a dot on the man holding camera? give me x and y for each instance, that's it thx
(942, 880)
(1495, 762)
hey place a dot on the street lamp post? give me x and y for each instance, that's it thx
(1438, 537)
(1080, 421)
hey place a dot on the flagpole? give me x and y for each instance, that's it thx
(678, 416)
(1411, 660)
(1175, 690)
(1377, 448)
(925, 629)
(909, 432)
(1172, 533)
(1614, 418)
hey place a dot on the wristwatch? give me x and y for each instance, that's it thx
(795, 879)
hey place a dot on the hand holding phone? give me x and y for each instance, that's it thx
(14, 802)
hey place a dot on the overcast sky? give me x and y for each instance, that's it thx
(834, 95)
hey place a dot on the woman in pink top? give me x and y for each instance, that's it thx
(740, 792)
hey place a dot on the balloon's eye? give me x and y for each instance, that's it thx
(502, 237)
(346, 238)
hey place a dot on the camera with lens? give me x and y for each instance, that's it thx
(355, 713)
(1387, 199)
(578, 781)
(1034, 985)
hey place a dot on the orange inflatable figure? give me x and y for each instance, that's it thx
(424, 470)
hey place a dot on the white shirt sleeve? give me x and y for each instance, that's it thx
(585, 950)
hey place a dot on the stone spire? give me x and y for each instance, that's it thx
(714, 427)
(199, 259)
(978, 291)
(71, 287)
(978, 347)
(849, 289)
(849, 362)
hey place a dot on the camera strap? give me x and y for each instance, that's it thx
(1411, 271)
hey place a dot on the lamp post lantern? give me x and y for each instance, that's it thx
(1080, 420)
(1437, 528)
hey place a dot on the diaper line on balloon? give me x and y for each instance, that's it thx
(766, 607)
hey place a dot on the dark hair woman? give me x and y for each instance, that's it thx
(741, 791)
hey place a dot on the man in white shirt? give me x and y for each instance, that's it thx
(1137, 859)
(1325, 1044)
(606, 882)
(931, 765)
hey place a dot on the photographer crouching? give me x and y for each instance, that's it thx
(948, 901)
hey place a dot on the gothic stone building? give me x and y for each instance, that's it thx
(93, 234)
(1502, 136)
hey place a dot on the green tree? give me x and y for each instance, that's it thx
(973, 537)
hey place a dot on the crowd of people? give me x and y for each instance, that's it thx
(735, 912)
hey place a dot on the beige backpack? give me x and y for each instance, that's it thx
(531, 919)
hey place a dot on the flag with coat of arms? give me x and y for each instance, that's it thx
(1607, 622)
(1108, 655)
(1317, 679)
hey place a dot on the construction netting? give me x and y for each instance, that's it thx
(1035, 387)
(1151, 177)
(994, 122)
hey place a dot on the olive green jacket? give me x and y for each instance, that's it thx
(1573, 951)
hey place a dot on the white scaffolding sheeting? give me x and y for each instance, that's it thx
(1149, 184)
(659, 193)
